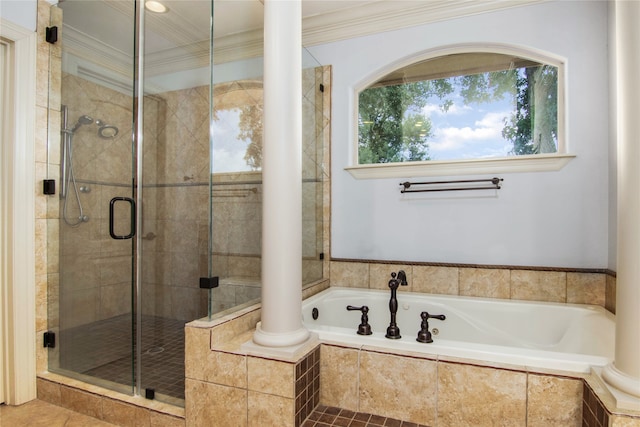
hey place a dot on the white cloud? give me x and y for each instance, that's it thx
(229, 161)
(453, 110)
(492, 120)
(486, 129)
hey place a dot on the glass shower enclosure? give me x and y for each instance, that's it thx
(160, 184)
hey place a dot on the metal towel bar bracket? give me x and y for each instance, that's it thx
(446, 185)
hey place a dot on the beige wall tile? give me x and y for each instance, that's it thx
(80, 401)
(610, 294)
(118, 413)
(586, 288)
(163, 420)
(269, 410)
(349, 274)
(435, 280)
(553, 401)
(475, 396)
(41, 302)
(339, 377)
(484, 282)
(226, 368)
(204, 364)
(622, 421)
(49, 391)
(43, 354)
(212, 405)
(271, 376)
(149, 418)
(380, 274)
(539, 285)
(398, 387)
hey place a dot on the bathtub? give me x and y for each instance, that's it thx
(568, 337)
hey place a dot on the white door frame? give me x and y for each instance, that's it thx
(17, 188)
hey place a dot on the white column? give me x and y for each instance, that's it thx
(624, 373)
(281, 323)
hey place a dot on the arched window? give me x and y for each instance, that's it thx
(467, 103)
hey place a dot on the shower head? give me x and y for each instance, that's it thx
(82, 120)
(106, 131)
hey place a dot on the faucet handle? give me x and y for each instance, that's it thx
(364, 328)
(424, 335)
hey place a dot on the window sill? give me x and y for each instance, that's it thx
(534, 163)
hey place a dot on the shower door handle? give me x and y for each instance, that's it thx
(112, 204)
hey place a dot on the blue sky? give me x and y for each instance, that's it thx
(468, 131)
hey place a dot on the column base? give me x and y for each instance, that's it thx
(625, 389)
(280, 339)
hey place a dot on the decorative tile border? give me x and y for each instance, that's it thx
(594, 414)
(307, 385)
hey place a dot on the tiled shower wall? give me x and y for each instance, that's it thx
(96, 269)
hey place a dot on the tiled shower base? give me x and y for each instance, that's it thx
(103, 350)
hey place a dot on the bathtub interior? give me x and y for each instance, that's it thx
(521, 331)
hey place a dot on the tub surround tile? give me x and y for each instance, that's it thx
(481, 363)
(610, 294)
(380, 274)
(200, 361)
(271, 376)
(397, 352)
(586, 288)
(553, 401)
(269, 410)
(206, 402)
(231, 327)
(339, 377)
(350, 274)
(518, 283)
(435, 280)
(398, 387)
(550, 286)
(224, 369)
(622, 421)
(474, 396)
(485, 283)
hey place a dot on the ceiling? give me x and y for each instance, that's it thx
(186, 22)
(100, 33)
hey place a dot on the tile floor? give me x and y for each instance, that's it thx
(38, 413)
(328, 416)
(104, 350)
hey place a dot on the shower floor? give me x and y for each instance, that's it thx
(103, 350)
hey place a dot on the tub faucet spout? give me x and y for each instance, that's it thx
(397, 280)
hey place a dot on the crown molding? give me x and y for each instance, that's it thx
(387, 15)
(366, 19)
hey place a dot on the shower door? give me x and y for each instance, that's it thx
(174, 171)
(134, 194)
